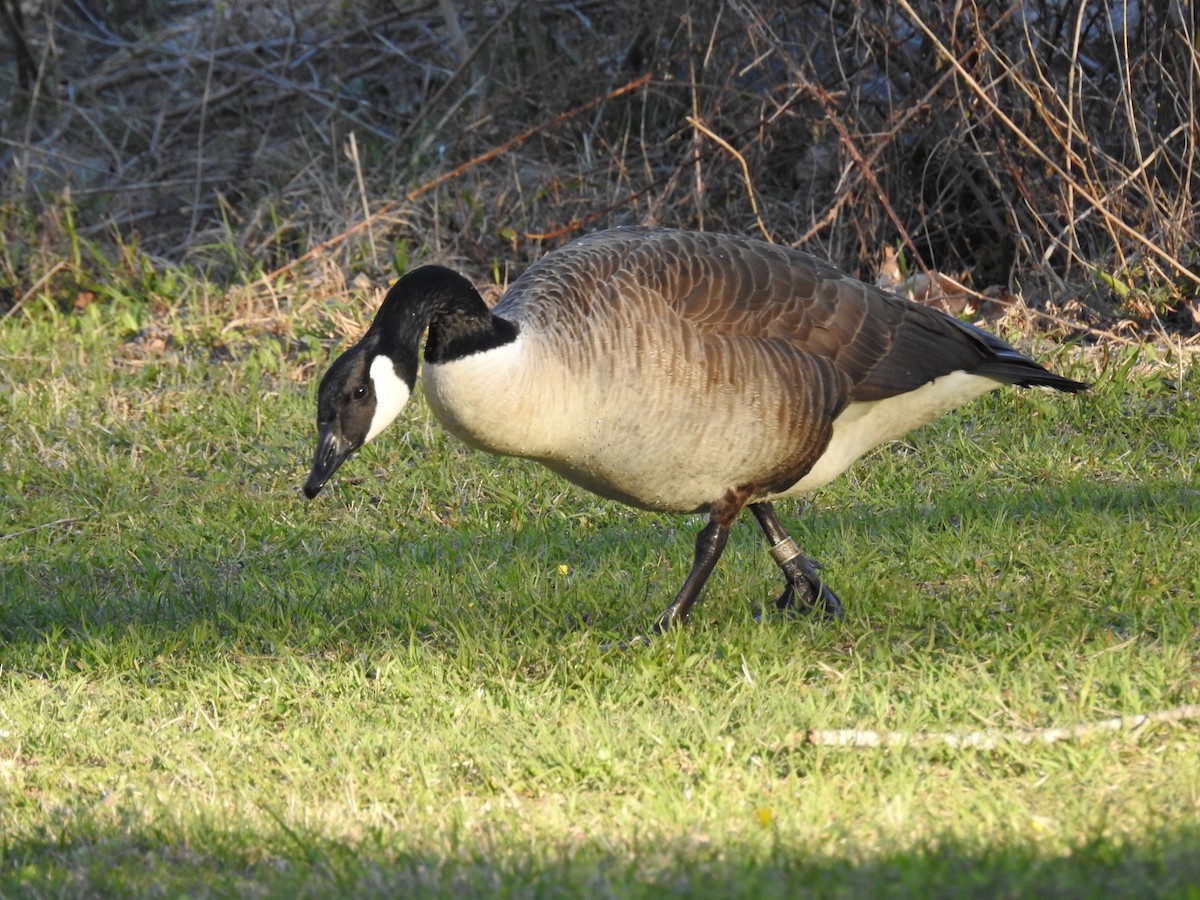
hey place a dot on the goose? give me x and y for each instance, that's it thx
(677, 371)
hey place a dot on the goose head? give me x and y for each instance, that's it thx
(361, 394)
(367, 386)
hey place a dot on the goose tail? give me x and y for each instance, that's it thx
(1013, 367)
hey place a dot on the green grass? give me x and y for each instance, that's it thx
(210, 687)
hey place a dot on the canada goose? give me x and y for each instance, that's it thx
(670, 370)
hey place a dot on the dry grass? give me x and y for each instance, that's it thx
(1045, 149)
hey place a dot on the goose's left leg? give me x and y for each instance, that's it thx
(805, 590)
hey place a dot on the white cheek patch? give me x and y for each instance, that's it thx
(391, 393)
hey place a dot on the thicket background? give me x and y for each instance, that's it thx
(1044, 149)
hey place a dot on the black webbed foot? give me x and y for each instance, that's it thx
(806, 592)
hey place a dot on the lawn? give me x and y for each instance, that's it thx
(411, 685)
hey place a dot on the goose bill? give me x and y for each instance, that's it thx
(332, 451)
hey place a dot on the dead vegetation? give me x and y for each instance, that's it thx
(1042, 151)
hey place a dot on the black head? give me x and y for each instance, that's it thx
(360, 395)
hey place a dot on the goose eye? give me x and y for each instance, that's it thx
(360, 393)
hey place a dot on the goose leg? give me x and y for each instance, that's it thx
(805, 589)
(709, 544)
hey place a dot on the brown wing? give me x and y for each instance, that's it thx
(879, 345)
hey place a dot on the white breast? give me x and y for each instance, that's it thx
(614, 422)
(495, 400)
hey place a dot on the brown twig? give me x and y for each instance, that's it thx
(695, 158)
(847, 141)
(69, 520)
(46, 276)
(728, 148)
(989, 739)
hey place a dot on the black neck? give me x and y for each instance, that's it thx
(442, 301)
(461, 331)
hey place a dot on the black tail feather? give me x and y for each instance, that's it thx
(1013, 367)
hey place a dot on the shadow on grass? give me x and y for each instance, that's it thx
(209, 600)
(198, 591)
(125, 862)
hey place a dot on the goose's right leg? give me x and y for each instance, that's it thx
(709, 544)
